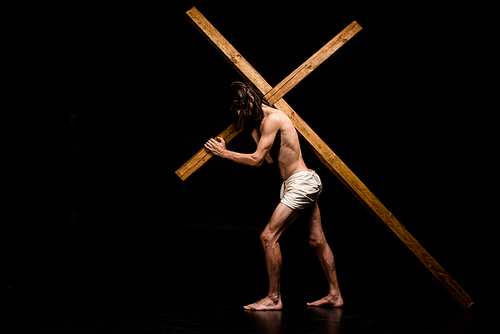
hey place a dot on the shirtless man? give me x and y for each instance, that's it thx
(300, 189)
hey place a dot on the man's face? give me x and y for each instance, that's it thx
(236, 107)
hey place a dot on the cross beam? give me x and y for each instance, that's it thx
(325, 154)
(272, 95)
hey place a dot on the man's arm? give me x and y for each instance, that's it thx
(256, 137)
(269, 130)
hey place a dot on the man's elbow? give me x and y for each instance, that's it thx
(257, 161)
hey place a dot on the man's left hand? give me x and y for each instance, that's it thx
(216, 147)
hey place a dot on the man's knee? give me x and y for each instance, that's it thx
(267, 238)
(317, 243)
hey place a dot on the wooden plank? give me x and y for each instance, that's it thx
(240, 64)
(314, 61)
(377, 209)
(361, 192)
(248, 72)
(203, 155)
(234, 58)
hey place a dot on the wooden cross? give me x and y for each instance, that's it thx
(325, 154)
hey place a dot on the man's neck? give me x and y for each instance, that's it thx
(267, 110)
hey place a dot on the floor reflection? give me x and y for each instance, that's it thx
(332, 318)
(270, 321)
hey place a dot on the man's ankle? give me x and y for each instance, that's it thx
(275, 297)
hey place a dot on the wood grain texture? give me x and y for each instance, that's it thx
(234, 58)
(325, 154)
(313, 62)
(377, 209)
(272, 95)
(203, 155)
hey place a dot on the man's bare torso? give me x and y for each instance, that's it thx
(290, 155)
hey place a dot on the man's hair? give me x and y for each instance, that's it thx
(239, 98)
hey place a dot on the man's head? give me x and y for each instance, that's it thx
(246, 101)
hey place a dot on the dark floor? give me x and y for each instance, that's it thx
(106, 314)
(203, 289)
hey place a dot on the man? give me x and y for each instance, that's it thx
(300, 189)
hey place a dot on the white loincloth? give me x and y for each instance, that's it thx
(300, 190)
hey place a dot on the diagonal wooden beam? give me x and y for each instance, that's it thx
(203, 155)
(313, 62)
(272, 95)
(377, 209)
(356, 187)
(229, 53)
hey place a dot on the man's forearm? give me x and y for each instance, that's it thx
(244, 159)
(218, 148)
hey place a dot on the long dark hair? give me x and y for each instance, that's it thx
(239, 98)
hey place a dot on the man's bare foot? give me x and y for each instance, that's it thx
(269, 303)
(328, 301)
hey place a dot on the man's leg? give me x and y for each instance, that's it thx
(282, 217)
(318, 242)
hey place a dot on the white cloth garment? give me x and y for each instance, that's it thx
(300, 190)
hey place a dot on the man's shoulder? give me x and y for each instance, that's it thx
(277, 117)
(273, 121)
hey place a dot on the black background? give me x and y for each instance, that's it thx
(97, 204)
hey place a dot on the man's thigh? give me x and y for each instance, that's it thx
(282, 217)
(314, 222)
